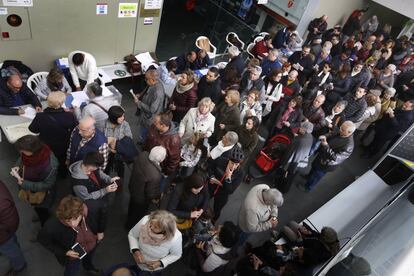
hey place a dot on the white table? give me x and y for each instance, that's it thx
(14, 126)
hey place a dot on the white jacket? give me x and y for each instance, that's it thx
(213, 261)
(87, 71)
(189, 126)
(254, 213)
(167, 252)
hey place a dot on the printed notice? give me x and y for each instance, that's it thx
(18, 3)
(101, 9)
(3, 11)
(148, 20)
(153, 4)
(127, 10)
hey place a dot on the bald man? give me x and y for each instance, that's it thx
(333, 152)
(14, 93)
(86, 138)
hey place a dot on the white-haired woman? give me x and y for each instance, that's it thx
(198, 120)
(155, 242)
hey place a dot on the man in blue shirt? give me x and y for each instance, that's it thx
(271, 62)
(14, 93)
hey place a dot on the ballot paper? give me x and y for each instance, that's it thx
(79, 97)
(29, 112)
(146, 60)
(15, 132)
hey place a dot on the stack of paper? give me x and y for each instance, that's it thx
(29, 112)
(146, 60)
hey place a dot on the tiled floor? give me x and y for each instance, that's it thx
(114, 248)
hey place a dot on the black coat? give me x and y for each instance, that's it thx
(7, 98)
(209, 89)
(335, 153)
(305, 61)
(235, 63)
(387, 128)
(59, 238)
(355, 108)
(144, 184)
(182, 205)
(281, 38)
(227, 115)
(54, 127)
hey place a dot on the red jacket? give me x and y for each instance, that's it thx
(260, 49)
(183, 102)
(9, 218)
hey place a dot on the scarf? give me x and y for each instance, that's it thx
(285, 117)
(324, 78)
(183, 88)
(148, 237)
(218, 150)
(200, 117)
(37, 167)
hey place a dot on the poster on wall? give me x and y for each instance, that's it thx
(262, 2)
(127, 10)
(153, 4)
(101, 9)
(3, 11)
(18, 3)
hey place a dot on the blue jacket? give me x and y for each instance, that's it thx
(7, 98)
(92, 145)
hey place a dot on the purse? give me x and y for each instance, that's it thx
(184, 224)
(31, 197)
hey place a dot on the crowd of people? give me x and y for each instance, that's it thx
(340, 87)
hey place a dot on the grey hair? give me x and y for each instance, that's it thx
(208, 102)
(234, 51)
(350, 126)
(258, 69)
(166, 221)
(273, 197)
(232, 137)
(157, 154)
(342, 103)
(391, 91)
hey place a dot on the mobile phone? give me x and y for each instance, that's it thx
(79, 249)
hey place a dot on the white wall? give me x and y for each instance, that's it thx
(405, 7)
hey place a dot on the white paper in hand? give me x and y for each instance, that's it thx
(29, 112)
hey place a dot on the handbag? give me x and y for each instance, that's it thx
(132, 64)
(184, 224)
(264, 162)
(31, 197)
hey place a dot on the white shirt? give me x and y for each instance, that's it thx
(87, 71)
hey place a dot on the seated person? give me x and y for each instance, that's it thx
(185, 61)
(202, 60)
(166, 72)
(262, 47)
(14, 93)
(55, 81)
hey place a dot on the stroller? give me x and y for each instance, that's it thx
(269, 157)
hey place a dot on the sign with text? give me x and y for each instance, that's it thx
(128, 10)
(18, 3)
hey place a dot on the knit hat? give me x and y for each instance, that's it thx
(157, 154)
(307, 126)
(272, 197)
(328, 235)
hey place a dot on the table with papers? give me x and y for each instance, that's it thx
(16, 126)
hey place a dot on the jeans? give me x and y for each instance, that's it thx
(72, 266)
(142, 134)
(315, 147)
(11, 249)
(315, 175)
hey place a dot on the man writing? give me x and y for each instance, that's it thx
(82, 67)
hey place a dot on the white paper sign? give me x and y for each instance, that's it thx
(18, 3)
(3, 11)
(153, 4)
(101, 9)
(148, 20)
(262, 2)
